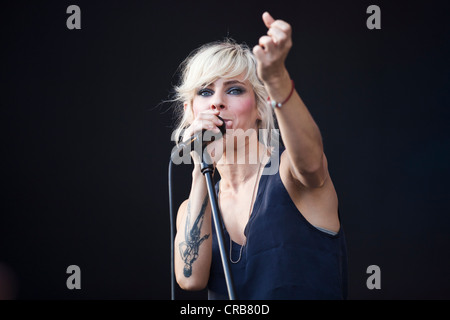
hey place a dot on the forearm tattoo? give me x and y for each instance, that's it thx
(189, 248)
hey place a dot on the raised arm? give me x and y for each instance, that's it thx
(300, 133)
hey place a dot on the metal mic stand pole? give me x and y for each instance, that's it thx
(207, 169)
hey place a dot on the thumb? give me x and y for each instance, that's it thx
(268, 19)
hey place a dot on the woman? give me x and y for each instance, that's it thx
(283, 229)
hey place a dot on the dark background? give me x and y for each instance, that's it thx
(85, 138)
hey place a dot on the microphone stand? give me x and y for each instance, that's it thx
(207, 169)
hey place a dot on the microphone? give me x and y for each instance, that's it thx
(189, 144)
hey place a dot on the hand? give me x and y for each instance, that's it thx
(207, 120)
(272, 50)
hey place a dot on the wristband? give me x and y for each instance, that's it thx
(274, 104)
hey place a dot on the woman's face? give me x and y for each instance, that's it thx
(234, 98)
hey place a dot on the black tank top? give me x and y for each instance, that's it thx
(285, 257)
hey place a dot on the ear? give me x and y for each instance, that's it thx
(187, 108)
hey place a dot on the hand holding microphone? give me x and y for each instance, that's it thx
(207, 127)
(206, 120)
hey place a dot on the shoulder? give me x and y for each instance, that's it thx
(318, 204)
(301, 180)
(313, 179)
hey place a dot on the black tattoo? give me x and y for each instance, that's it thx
(189, 248)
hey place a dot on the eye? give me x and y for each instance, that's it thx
(235, 91)
(205, 92)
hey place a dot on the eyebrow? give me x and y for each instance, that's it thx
(226, 83)
(233, 82)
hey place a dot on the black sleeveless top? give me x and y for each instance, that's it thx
(285, 257)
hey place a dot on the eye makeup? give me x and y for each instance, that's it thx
(205, 92)
(235, 90)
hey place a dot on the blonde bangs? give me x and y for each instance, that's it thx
(211, 62)
(221, 59)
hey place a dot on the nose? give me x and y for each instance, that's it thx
(218, 101)
(218, 106)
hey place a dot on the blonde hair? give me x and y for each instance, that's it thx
(220, 59)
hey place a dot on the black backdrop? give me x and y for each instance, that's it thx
(86, 140)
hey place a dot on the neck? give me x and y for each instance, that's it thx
(242, 165)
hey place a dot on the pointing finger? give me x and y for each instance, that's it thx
(268, 19)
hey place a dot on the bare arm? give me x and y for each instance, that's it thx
(193, 241)
(193, 238)
(300, 133)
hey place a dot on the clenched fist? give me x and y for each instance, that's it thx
(272, 50)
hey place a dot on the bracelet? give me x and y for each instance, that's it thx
(280, 104)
